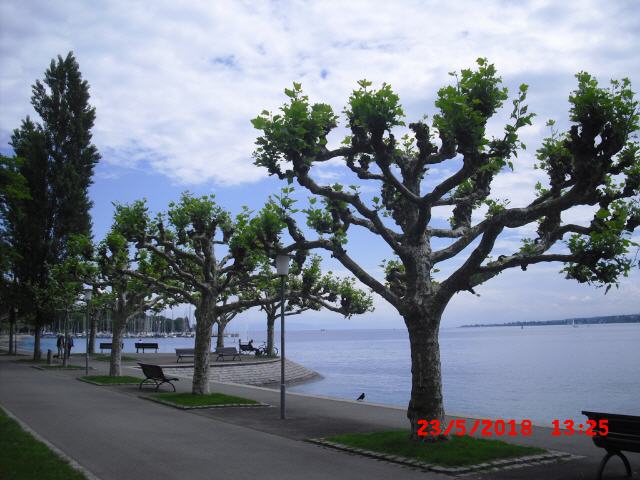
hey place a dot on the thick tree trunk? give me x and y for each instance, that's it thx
(205, 313)
(92, 332)
(37, 353)
(426, 376)
(119, 325)
(220, 337)
(271, 321)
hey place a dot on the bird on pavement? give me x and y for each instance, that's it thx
(361, 397)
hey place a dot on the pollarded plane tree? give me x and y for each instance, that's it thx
(595, 163)
(223, 319)
(64, 288)
(201, 256)
(124, 293)
(308, 289)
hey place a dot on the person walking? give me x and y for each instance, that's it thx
(60, 345)
(69, 345)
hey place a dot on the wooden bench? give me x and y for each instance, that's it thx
(154, 373)
(185, 352)
(150, 346)
(623, 435)
(108, 346)
(227, 352)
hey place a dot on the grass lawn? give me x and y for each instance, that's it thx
(107, 380)
(103, 357)
(456, 452)
(212, 399)
(22, 457)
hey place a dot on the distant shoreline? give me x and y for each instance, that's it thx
(635, 318)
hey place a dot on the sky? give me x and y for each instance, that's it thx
(175, 85)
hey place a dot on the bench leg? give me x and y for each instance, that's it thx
(166, 381)
(147, 380)
(627, 466)
(607, 457)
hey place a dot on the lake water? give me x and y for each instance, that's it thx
(541, 373)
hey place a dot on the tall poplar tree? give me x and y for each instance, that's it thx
(58, 160)
(62, 101)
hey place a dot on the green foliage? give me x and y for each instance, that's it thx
(107, 380)
(129, 222)
(495, 206)
(13, 185)
(466, 106)
(300, 130)
(211, 399)
(44, 191)
(455, 452)
(528, 246)
(309, 289)
(23, 457)
(197, 217)
(61, 100)
(69, 276)
(601, 257)
(609, 113)
(373, 112)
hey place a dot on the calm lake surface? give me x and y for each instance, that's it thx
(541, 373)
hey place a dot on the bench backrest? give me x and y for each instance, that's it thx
(185, 351)
(146, 345)
(152, 371)
(227, 350)
(106, 345)
(624, 431)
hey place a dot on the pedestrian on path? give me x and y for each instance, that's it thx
(60, 345)
(69, 345)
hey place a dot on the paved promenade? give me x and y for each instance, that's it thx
(114, 434)
(247, 371)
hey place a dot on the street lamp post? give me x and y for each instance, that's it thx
(282, 268)
(88, 293)
(65, 357)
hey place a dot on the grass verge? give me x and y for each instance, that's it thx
(456, 452)
(107, 380)
(22, 457)
(209, 400)
(102, 357)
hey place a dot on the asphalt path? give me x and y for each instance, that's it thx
(116, 435)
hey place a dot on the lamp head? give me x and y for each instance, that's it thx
(282, 265)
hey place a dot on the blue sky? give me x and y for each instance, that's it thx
(175, 85)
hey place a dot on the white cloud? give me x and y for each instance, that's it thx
(175, 84)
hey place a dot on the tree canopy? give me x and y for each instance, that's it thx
(595, 163)
(56, 159)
